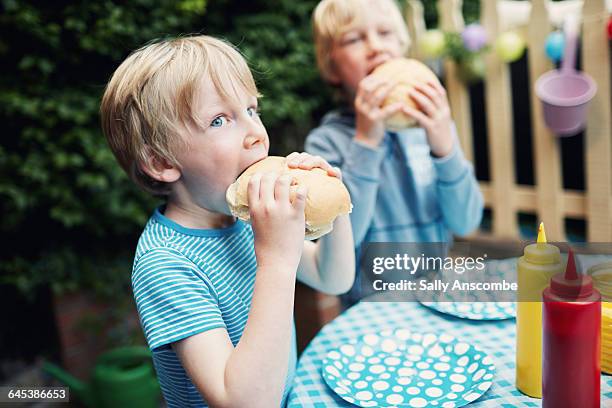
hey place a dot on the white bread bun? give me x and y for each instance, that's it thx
(407, 73)
(326, 199)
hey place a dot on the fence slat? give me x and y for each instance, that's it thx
(575, 202)
(498, 102)
(451, 19)
(413, 14)
(546, 151)
(547, 198)
(596, 62)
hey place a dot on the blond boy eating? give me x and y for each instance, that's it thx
(412, 185)
(214, 294)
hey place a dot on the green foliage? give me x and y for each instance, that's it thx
(470, 9)
(69, 214)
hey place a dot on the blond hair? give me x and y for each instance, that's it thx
(151, 97)
(332, 18)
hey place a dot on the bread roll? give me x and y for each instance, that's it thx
(327, 197)
(407, 73)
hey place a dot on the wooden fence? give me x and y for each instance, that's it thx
(547, 199)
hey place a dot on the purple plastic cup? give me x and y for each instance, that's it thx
(565, 93)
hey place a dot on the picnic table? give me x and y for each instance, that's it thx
(495, 337)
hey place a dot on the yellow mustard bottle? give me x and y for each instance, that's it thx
(540, 262)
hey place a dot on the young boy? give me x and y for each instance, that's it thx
(181, 117)
(408, 186)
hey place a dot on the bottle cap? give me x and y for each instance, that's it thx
(570, 284)
(541, 252)
(541, 234)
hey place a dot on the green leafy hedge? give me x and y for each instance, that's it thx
(70, 216)
(68, 212)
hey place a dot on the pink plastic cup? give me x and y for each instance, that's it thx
(565, 93)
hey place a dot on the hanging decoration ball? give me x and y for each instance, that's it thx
(555, 43)
(510, 46)
(474, 37)
(610, 28)
(432, 44)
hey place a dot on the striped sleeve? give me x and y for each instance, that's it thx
(175, 300)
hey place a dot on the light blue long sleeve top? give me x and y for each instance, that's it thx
(400, 192)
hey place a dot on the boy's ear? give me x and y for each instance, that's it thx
(160, 169)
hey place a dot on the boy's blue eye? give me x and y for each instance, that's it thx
(252, 112)
(218, 121)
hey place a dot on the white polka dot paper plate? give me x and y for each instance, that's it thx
(476, 310)
(477, 305)
(401, 368)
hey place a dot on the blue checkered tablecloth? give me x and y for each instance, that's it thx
(497, 338)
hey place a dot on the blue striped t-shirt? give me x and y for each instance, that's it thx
(187, 281)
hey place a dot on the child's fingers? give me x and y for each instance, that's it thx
(437, 86)
(290, 159)
(433, 94)
(369, 84)
(281, 188)
(297, 159)
(315, 161)
(299, 203)
(381, 93)
(308, 163)
(423, 100)
(335, 172)
(389, 110)
(380, 88)
(266, 187)
(253, 189)
(323, 164)
(366, 88)
(420, 117)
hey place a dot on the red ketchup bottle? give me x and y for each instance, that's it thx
(571, 318)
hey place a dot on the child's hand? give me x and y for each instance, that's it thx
(278, 223)
(371, 93)
(434, 116)
(306, 161)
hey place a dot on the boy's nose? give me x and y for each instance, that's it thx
(374, 43)
(255, 136)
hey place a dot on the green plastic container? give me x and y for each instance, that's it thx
(122, 377)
